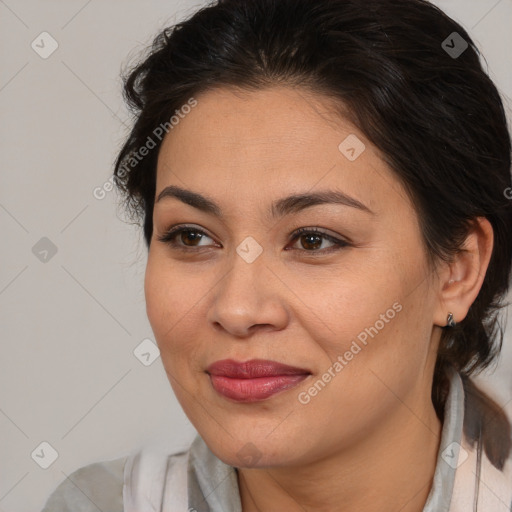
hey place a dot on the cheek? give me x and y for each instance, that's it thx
(165, 293)
(175, 300)
(368, 313)
(352, 298)
(157, 300)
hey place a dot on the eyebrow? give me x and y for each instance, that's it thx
(280, 208)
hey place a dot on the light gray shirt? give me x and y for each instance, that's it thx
(212, 485)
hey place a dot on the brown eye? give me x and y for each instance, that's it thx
(188, 237)
(311, 240)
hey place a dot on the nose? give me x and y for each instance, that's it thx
(249, 298)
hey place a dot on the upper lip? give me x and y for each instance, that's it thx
(253, 369)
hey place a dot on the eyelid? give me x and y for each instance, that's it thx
(175, 230)
(339, 242)
(318, 231)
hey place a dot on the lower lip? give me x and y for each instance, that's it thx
(253, 390)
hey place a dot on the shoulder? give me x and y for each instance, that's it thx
(97, 486)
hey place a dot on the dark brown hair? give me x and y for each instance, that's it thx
(436, 117)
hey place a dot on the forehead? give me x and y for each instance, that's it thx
(268, 117)
(257, 142)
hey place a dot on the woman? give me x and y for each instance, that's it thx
(322, 187)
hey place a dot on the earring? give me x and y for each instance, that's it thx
(450, 322)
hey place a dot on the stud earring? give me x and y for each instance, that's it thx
(450, 322)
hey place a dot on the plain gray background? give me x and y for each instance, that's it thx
(70, 321)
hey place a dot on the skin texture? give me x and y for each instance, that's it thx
(369, 439)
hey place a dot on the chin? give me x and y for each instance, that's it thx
(247, 453)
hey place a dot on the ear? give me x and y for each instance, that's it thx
(461, 280)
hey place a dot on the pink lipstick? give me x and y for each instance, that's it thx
(253, 380)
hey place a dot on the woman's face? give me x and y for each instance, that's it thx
(357, 316)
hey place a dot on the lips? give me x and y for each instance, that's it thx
(254, 380)
(253, 369)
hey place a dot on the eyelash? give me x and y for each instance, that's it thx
(169, 238)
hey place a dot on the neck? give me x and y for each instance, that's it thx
(391, 469)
